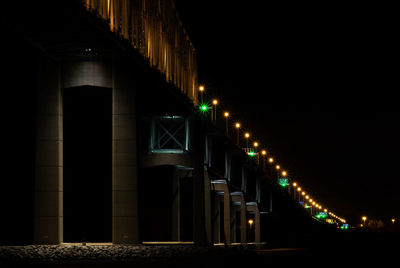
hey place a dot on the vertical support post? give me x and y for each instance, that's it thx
(257, 227)
(243, 222)
(208, 210)
(48, 212)
(233, 224)
(227, 215)
(175, 232)
(199, 217)
(216, 220)
(124, 160)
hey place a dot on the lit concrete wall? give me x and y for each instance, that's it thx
(125, 163)
(48, 212)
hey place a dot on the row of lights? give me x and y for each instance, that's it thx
(315, 204)
(205, 107)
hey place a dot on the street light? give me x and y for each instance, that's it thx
(215, 102)
(263, 153)
(247, 136)
(364, 219)
(237, 126)
(250, 229)
(255, 144)
(226, 115)
(201, 89)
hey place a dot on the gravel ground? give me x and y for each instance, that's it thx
(119, 255)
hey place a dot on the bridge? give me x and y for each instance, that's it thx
(110, 139)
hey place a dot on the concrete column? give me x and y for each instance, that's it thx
(234, 209)
(243, 223)
(208, 210)
(175, 232)
(221, 187)
(124, 162)
(48, 213)
(217, 219)
(227, 216)
(199, 188)
(257, 227)
(239, 198)
(252, 207)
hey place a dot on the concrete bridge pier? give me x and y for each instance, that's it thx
(252, 208)
(221, 190)
(239, 201)
(55, 77)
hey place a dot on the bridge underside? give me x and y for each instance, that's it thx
(102, 149)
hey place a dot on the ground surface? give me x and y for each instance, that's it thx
(344, 250)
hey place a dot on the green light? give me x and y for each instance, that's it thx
(204, 107)
(251, 153)
(344, 226)
(283, 182)
(321, 215)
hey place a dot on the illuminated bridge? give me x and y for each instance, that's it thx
(106, 141)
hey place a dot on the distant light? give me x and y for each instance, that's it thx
(284, 173)
(251, 153)
(255, 144)
(393, 220)
(247, 135)
(271, 160)
(204, 107)
(201, 88)
(294, 184)
(226, 114)
(321, 215)
(303, 193)
(283, 182)
(251, 221)
(215, 102)
(307, 197)
(278, 167)
(237, 125)
(299, 189)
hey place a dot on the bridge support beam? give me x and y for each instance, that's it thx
(253, 209)
(238, 198)
(220, 186)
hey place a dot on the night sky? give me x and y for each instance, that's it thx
(315, 84)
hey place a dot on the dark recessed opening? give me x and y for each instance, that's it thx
(87, 164)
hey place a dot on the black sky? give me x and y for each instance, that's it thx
(316, 84)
